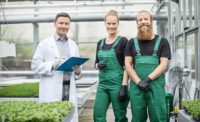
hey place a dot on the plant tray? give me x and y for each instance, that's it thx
(70, 115)
(31, 111)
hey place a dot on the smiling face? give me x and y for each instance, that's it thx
(62, 25)
(144, 24)
(111, 23)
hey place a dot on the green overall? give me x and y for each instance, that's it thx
(154, 99)
(110, 80)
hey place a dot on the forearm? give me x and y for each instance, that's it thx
(125, 78)
(132, 74)
(160, 69)
(130, 71)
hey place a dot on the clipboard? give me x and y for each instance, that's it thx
(68, 64)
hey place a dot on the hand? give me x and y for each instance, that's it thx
(144, 84)
(76, 69)
(57, 62)
(101, 65)
(123, 93)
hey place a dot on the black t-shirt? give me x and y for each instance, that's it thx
(119, 50)
(147, 46)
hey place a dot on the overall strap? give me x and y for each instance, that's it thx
(102, 42)
(155, 50)
(137, 48)
(116, 42)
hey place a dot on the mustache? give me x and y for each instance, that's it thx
(147, 25)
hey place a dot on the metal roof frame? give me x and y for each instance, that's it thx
(74, 19)
(36, 15)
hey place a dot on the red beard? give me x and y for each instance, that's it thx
(145, 32)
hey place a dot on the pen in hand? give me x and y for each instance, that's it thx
(57, 62)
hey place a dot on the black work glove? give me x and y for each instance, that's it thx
(101, 65)
(144, 84)
(123, 93)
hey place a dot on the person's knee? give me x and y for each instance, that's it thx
(99, 117)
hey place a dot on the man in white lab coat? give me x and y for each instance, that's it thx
(51, 52)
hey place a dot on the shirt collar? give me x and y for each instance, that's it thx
(57, 37)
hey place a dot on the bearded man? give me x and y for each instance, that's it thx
(146, 59)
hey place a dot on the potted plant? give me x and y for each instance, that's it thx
(192, 108)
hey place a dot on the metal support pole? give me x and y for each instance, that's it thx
(196, 63)
(160, 24)
(180, 93)
(1, 65)
(179, 18)
(184, 34)
(184, 13)
(35, 36)
(0, 40)
(198, 18)
(35, 33)
(76, 29)
(169, 36)
(195, 12)
(190, 13)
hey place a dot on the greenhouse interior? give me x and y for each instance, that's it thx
(25, 24)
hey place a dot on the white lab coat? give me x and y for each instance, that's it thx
(51, 81)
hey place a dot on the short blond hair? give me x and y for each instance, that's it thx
(112, 13)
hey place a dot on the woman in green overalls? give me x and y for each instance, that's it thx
(146, 60)
(113, 79)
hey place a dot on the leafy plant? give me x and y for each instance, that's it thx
(31, 111)
(20, 90)
(192, 107)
